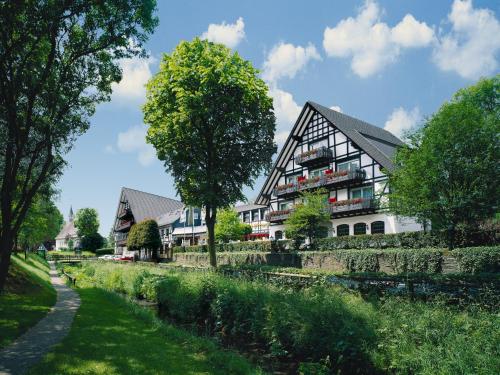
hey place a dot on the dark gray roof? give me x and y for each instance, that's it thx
(248, 207)
(68, 230)
(376, 142)
(148, 206)
(169, 218)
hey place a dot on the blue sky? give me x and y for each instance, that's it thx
(390, 63)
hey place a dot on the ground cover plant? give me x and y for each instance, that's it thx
(112, 336)
(316, 326)
(27, 298)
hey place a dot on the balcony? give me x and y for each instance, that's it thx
(278, 216)
(318, 156)
(124, 213)
(327, 180)
(351, 207)
(124, 226)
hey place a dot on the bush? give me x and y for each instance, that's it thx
(411, 260)
(92, 242)
(478, 259)
(257, 246)
(105, 251)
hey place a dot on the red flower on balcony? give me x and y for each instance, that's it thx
(301, 178)
(332, 199)
(329, 171)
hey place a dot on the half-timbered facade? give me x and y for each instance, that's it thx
(347, 157)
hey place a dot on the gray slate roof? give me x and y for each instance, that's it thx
(68, 230)
(169, 217)
(248, 207)
(148, 206)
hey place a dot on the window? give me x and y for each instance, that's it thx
(362, 192)
(292, 178)
(263, 213)
(317, 172)
(316, 145)
(278, 235)
(246, 216)
(255, 215)
(196, 215)
(359, 228)
(348, 165)
(285, 205)
(342, 230)
(378, 227)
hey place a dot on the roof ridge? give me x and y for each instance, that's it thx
(145, 192)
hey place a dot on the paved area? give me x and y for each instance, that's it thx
(31, 347)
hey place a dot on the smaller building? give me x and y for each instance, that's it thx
(190, 229)
(255, 215)
(68, 234)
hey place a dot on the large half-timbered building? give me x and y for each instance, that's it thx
(347, 157)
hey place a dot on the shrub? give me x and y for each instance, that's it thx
(358, 260)
(257, 246)
(104, 251)
(411, 260)
(478, 259)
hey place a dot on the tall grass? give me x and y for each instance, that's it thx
(317, 324)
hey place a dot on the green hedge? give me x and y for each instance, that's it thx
(478, 259)
(104, 251)
(257, 246)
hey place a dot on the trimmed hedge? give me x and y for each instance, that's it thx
(478, 259)
(105, 250)
(257, 246)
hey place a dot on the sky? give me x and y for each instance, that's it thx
(390, 63)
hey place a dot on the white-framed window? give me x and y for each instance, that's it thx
(318, 144)
(285, 205)
(362, 192)
(317, 172)
(292, 178)
(348, 165)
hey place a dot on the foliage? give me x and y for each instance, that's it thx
(62, 59)
(111, 238)
(86, 222)
(257, 246)
(211, 121)
(42, 223)
(71, 244)
(92, 242)
(145, 235)
(228, 226)
(105, 251)
(310, 219)
(448, 173)
(409, 260)
(478, 259)
(321, 324)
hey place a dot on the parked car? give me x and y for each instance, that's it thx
(107, 257)
(128, 259)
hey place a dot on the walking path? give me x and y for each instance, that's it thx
(31, 347)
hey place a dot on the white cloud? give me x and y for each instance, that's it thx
(109, 149)
(401, 121)
(134, 140)
(372, 44)
(285, 60)
(336, 108)
(136, 72)
(229, 34)
(286, 111)
(471, 47)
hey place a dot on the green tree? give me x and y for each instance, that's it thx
(448, 173)
(71, 244)
(58, 60)
(145, 235)
(111, 238)
(211, 121)
(92, 242)
(228, 226)
(42, 223)
(86, 222)
(309, 219)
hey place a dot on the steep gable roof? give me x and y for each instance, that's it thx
(376, 142)
(148, 206)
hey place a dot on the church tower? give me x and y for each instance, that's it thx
(70, 217)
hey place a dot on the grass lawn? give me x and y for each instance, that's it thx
(113, 336)
(69, 252)
(27, 298)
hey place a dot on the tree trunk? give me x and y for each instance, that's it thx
(210, 221)
(6, 244)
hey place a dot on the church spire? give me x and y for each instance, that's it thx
(71, 213)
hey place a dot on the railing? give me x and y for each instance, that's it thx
(281, 215)
(330, 179)
(320, 154)
(124, 225)
(349, 205)
(69, 258)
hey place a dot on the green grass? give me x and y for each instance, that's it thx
(113, 336)
(27, 298)
(68, 252)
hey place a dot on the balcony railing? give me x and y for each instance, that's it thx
(124, 225)
(330, 179)
(124, 213)
(276, 216)
(315, 156)
(350, 206)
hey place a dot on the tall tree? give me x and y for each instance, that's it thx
(145, 236)
(309, 219)
(211, 121)
(86, 222)
(229, 227)
(448, 173)
(58, 59)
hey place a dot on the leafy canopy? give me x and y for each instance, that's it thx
(92, 242)
(211, 122)
(144, 235)
(309, 219)
(228, 226)
(86, 222)
(449, 172)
